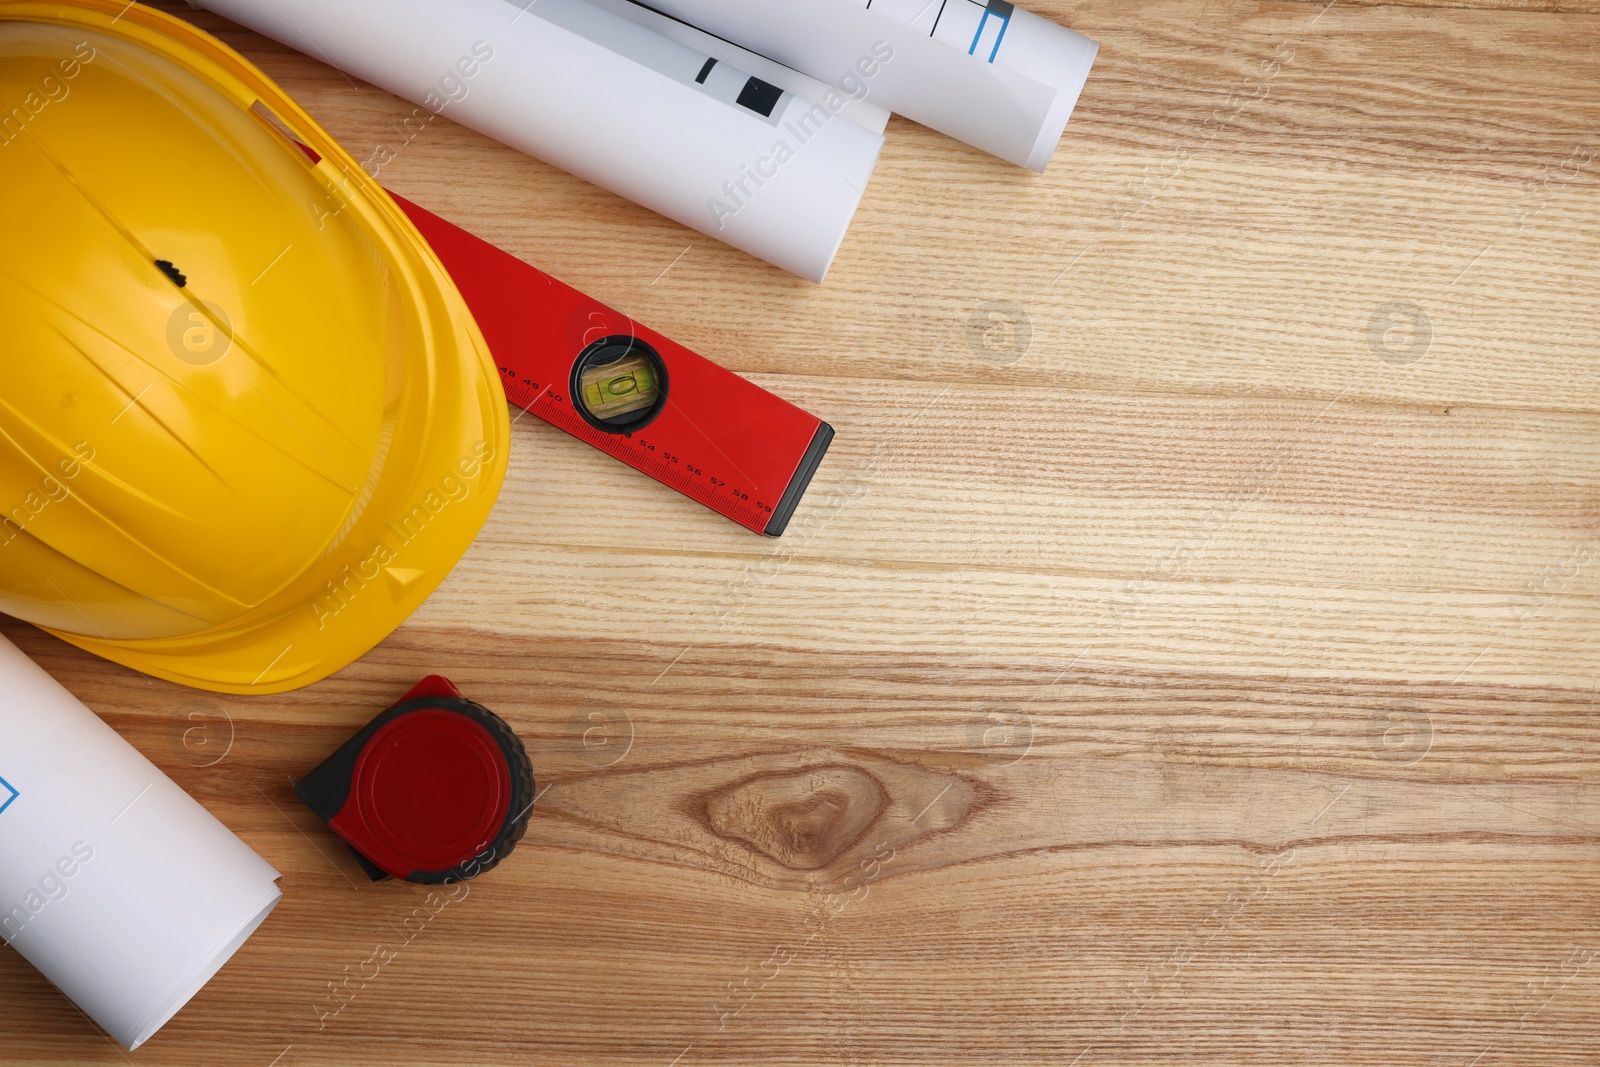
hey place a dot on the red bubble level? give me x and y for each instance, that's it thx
(709, 434)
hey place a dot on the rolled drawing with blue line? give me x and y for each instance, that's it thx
(767, 160)
(985, 72)
(114, 882)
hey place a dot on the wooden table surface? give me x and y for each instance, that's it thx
(1185, 653)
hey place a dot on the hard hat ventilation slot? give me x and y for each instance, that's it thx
(172, 272)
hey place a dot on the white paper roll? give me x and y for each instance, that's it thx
(114, 882)
(680, 131)
(982, 71)
(857, 109)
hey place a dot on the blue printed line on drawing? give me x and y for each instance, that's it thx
(977, 38)
(9, 792)
(1005, 24)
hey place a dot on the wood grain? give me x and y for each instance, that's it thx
(1185, 653)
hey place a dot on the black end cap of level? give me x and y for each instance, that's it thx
(802, 478)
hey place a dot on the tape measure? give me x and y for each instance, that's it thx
(436, 789)
(630, 392)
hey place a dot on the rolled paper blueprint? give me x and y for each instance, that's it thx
(774, 172)
(114, 882)
(985, 72)
(855, 107)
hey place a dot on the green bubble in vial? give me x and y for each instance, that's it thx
(620, 387)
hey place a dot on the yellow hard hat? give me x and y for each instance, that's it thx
(247, 423)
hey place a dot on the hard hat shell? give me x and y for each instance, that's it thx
(247, 423)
